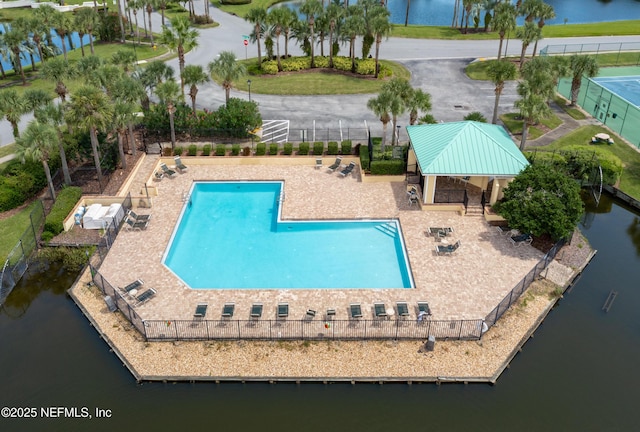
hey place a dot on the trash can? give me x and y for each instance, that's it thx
(431, 343)
(110, 304)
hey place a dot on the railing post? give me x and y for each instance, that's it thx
(238, 323)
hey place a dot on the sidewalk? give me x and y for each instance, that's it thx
(7, 158)
(569, 124)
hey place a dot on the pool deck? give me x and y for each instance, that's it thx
(467, 285)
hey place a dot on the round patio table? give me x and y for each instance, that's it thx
(390, 312)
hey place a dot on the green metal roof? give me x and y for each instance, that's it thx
(466, 148)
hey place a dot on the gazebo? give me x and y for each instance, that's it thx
(447, 158)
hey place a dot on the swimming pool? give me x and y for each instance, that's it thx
(230, 236)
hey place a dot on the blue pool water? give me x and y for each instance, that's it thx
(230, 236)
(627, 88)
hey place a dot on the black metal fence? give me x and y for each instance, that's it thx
(449, 196)
(524, 283)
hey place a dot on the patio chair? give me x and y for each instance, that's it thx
(201, 311)
(379, 310)
(334, 166)
(311, 314)
(330, 314)
(132, 225)
(144, 297)
(348, 170)
(283, 310)
(447, 249)
(136, 217)
(356, 310)
(256, 310)
(318, 163)
(179, 165)
(157, 176)
(403, 309)
(133, 286)
(521, 239)
(228, 309)
(439, 232)
(423, 310)
(166, 170)
(506, 230)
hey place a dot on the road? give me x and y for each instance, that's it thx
(437, 67)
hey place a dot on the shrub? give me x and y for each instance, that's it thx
(235, 149)
(67, 199)
(364, 158)
(193, 150)
(475, 116)
(303, 149)
(387, 167)
(332, 148)
(346, 147)
(202, 19)
(273, 149)
(177, 151)
(206, 150)
(261, 149)
(287, 149)
(318, 148)
(221, 149)
(246, 151)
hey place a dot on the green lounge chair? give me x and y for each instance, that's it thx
(283, 310)
(136, 217)
(334, 166)
(379, 310)
(423, 308)
(201, 311)
(179, 165)
(348, 170)
(144, 297)
(356, 310)
(132, 225)
(403, 309)
(447, 249)
(228, 309)
(521, 239)
(133, 286)
(166, 170)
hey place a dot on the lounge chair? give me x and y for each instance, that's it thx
(145, 296)
(439, 231)
(283, 310)
(201, 311)
(403, 309)
(423, 310)
(136, 217)
(133, 286)
(447, 249)
(310, 314)
(228, 309)
(135, 225)
(356, 310)
(166, 170)
(330, 314)
(518, 240)
(506, 230)
(256, 310)
(157, 175)
(179, 165)
(345, 172)
(334, 166)
(318, 163)
(379, 310)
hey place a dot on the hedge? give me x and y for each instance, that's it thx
(340, 63)
(67, 199)
(364, 158)
(261, 149)
(318, 148)
(303, 149)
(235, 149)
(332, 148)
(288, 149)
(273, 149)
(387, 167)
(192, 150)
(221, 149)
(206, 150)
(177, 151)
(346, 147)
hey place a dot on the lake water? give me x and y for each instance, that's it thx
(440, 12)
(579, 372)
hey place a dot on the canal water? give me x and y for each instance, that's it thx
(579, 372)
(440, 12)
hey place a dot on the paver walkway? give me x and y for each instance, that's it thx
(569, 124)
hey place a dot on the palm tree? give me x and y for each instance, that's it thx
(380, 26)
(545, 12)
(334, 14)
(311, 8)
(541, 75)
(276, 17)
(12, 108)
(227, 69)
(193, 76)
(150, 4)
(62, 25)
(129, 90)
(135, 5)
(40, 30)
(154, 74)
(86, 21)
(353, 26)
(581, 65)
(504, 21)
(381, 106)
(58, 70)
(527, 33)
(90, 109)
(37, 143)
(53, 114)
(35, 98)
(180, 37)
(289, 21)
(500, 71)
(258, 17)
(419, 101)
(28, 45)
(124, 59)
(123, 113)
(533, 108)
(120, 20)
(168, 92)
(529, 9)
(13, 39)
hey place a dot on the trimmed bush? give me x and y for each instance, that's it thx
(221, 149)
(206, 150)
(192, 150)
(273, 149)
(364, 158)
(67, 199)
(177, 151)
(261, 149)
(246, 151)
(235, 149)
(288, 149)
(166, 151)
(303, 149)
(332, 148)
(387, 167)
(346, 147)
(318, 148)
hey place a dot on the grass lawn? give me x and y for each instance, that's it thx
(315, 83)
(7, 150)
(630, 179)
(514, 125)
(11, 229)
(572, 111)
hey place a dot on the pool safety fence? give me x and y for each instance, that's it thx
(615, 50)
(522, 286)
